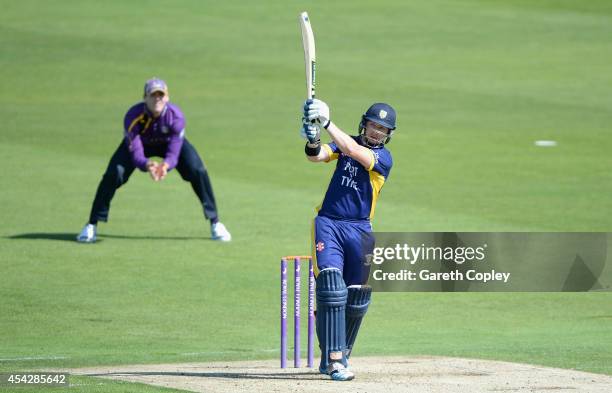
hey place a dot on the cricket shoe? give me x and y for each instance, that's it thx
(88, 234)
(338, 372)
(219, 232)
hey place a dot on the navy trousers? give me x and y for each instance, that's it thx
(343, 245)
(190, 167)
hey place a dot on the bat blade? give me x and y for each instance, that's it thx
(309, 54)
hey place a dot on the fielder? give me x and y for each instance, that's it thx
(154, 127)
(342, 229)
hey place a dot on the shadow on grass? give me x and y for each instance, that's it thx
(45, 236)
(71, 237)
(307, 375)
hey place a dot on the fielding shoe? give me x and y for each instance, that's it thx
(338, 372)
(219, 232)
(88, 234)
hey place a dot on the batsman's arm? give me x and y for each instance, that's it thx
(349, 147)
(313, 149)
(322, 155)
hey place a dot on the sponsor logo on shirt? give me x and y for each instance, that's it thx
(348, 181)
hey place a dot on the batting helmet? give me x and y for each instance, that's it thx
(382, 114)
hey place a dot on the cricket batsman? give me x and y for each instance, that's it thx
(154, 127)
(342, 228)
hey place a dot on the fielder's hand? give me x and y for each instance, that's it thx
(312, 132)
(162, 171)
(152, 168)
(318, 111)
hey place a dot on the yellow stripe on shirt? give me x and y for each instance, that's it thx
(136, 120)
(313, 246)
(377, 181)
(330, 154)
(373, 161)
(144, 129)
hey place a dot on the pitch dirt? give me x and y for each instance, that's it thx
(373, 375)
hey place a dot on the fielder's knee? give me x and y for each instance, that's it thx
(194, 173)
(115, 175)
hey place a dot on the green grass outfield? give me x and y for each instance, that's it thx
(475, 83)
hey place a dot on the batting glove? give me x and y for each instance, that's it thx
(312, 132)
(318, 111)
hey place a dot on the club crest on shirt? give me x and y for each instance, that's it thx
(164, 129)
(320, 246)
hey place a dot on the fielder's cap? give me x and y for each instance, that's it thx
(155, 84)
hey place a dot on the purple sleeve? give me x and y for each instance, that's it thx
(132, 138)
(136, 151)
(176, 142)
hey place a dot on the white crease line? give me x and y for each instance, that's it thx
(34, 358)
(182, 354)
(227, 352)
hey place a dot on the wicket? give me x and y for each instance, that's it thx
(297, 310)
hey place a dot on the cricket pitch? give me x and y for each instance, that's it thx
(429, 374)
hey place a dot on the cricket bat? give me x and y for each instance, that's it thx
(309, 54)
